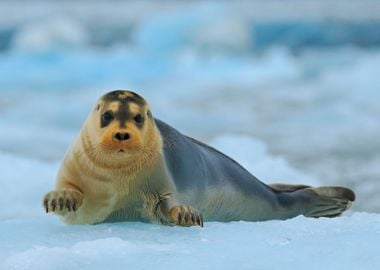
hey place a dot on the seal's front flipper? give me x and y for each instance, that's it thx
(185, 215)
(177, 214)
(328, 201)
(61, 201)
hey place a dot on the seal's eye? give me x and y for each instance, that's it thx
(107, 117)
(139, 119)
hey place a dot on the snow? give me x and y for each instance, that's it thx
(299, 243)
(287, 109)
(24, 182)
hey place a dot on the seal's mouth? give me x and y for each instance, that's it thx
(121, 151)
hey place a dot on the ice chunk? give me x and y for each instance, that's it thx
(51, 33)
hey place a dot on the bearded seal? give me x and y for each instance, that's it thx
(126, 165)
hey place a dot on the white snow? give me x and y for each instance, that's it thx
(299, 243)
(23, 183)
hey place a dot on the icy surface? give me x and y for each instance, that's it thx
(299, 243)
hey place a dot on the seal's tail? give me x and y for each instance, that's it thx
(316, 202)
(330, 202)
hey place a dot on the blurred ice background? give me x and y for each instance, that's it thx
(299, 78)
(291, 89)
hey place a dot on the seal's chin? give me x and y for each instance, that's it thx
(124, 152)
(120, 149)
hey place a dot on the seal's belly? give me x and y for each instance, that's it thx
(227, 203)
(126, 214)
(129, 210)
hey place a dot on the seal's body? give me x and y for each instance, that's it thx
(126, 165)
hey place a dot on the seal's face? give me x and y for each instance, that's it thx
(122, 120)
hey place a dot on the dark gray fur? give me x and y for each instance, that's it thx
(224, 191)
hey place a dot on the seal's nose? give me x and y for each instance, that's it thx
(122, 136)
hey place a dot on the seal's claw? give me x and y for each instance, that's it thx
(74, 205)
(62, 200)
(46, 205)
(200, 220)
(68, 205)
(53, 204)
(186, 216)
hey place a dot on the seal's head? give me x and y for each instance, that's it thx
(121, 124)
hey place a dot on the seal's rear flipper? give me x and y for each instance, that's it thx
(328, 201)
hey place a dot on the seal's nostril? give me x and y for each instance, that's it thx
(122, 136)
